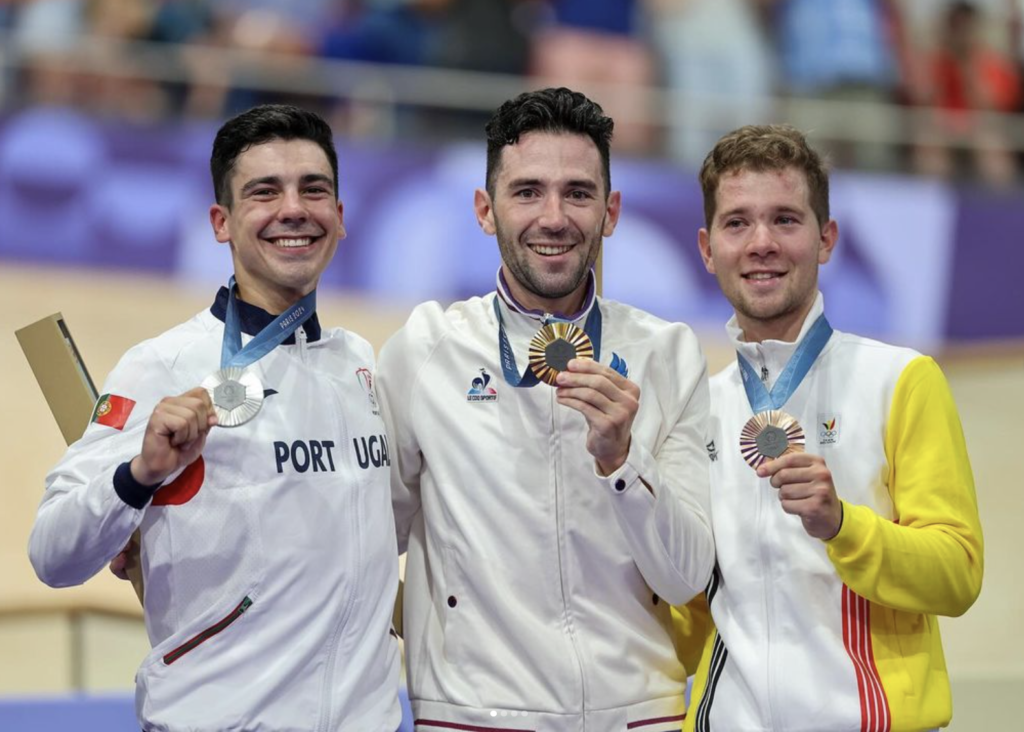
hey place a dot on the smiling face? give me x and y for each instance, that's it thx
(284, 221)
(550, 213)
(765, 245)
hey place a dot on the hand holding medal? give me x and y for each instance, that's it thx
(175, 436)
(772, 442)
(609, 402)
(806, 490)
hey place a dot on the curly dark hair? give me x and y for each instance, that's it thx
(548, 110)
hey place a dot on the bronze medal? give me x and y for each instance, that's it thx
(769, 435)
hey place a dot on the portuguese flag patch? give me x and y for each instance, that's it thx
(112, 410)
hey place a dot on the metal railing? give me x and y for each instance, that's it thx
(387, 88)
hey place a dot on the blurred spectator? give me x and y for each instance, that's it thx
(962, 77)
(844, 51)
(377, 32)
(716, 58)
(591, 46)
(42, 30)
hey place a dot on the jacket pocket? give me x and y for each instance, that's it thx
(201, 637)
(455, 604)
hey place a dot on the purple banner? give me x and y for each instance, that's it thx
(918, 262)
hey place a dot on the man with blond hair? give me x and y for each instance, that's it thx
(843, 503)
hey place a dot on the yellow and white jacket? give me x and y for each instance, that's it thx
(813, 636)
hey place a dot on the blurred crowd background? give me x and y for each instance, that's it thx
(926, 86)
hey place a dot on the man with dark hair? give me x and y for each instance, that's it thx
(268, 545)
(549, 526)
(844, 510)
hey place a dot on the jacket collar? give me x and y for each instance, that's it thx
(511, 305)
(254, 319)
(771, 355)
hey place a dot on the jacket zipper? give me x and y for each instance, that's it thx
(560, 519)
(197, 640)
(766, 569)
(300, 338)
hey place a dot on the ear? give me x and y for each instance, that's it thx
(829, 237)
(704, 243)
(341, 221)
(220, 221)
(484, 208)
(611, 214)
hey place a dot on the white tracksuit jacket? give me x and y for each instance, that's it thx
(537, 593)
(269, 563)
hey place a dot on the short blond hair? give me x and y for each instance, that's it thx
(762, 148)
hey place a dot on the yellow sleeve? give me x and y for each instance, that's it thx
(930, 560)
(691, 623)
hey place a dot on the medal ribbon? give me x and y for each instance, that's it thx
(792, 375)
(508, 359)
(233, 355)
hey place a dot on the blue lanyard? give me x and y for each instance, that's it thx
(233, 355)
(799, 364)
(508, 359)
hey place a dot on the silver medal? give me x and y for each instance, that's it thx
(237, 395)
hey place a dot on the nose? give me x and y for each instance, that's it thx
(552, 215)
(293, 207)
(762, 242)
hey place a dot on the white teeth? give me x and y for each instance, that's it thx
(549, 250)
(762, 276)
(290, 243)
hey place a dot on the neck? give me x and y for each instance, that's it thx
(567, 305)
(785, 328)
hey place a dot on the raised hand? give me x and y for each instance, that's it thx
(609, 402)
(806, 490)
(175, 436)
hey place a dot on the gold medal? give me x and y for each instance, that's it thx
(554, 346)
(769, 435)
(237, 395)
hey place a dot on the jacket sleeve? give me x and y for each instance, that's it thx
(692, 623)
(397, 367)
(930, 559)
(92, 504)
(668, 527)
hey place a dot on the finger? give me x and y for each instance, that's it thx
(118, 565)
(800, 491)
(178, 423)
(788, 460)
(590, 366)
(587, 409)
(201, 394)
(600, 383)
(793, 475)
(586, 394)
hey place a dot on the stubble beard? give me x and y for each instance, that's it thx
(514, 256)
(766, 313)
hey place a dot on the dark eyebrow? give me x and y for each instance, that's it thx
(583, 183)
(273, 180)
(317, 178)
